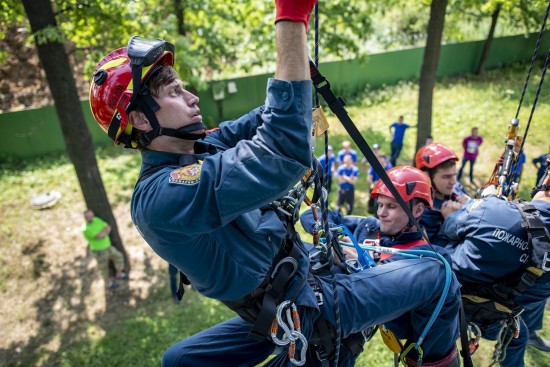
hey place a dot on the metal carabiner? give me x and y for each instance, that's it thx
(287, 259)
(292, 349)
(474, 330)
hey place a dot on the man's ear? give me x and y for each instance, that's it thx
(139, 121)
(419, 209)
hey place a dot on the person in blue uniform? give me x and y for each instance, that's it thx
(539, 164)
(489, 245)
(347, 174)
(346, 150)
(202, 202)
(397, 131)
(439, 161)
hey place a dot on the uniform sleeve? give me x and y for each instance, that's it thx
(249, 175)
(457, 225)
(367, 228)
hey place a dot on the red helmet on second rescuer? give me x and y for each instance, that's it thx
(432, 155)
(410, 183)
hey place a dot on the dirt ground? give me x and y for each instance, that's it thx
(22, 81)
(55, 294)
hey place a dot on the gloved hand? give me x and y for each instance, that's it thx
(294, 10)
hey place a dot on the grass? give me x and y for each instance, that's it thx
(55, 311)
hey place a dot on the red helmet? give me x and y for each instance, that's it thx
(111, 87)
(410, 183)
(433, 154)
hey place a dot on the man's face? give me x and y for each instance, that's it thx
(392, 217)
(88, 215)
(348, 161)
(178, 107)
(444, 181)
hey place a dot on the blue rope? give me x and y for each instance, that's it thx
(418, 254)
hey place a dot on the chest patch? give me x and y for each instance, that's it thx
(188, 175)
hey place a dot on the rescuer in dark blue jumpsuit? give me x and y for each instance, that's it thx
(201, 202)
(488, 244)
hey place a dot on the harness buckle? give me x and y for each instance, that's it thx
(289, 260)
(546, 262)
(319, 298)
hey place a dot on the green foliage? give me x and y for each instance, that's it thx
(50, 34)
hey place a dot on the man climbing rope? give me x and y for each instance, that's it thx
(439, 161)
(500, 251)
(205, 203)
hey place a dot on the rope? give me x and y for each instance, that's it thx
(545, 67)
(324, 212)
(546, 63)
(533, 58)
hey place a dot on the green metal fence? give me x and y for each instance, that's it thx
(35, 132)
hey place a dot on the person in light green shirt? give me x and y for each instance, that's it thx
(97, 231)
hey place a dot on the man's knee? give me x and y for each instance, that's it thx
(174, 356)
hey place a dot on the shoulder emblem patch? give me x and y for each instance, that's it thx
(188, 175)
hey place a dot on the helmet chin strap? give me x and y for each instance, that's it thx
(186, 132)
(149, 106)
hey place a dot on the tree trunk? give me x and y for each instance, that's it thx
(429, 69)
(488, 41)
(78, 140)
(178, 8)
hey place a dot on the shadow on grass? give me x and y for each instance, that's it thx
(133, 329)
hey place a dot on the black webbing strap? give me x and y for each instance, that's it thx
(181, 289)
(281, 275)
(336, 105)
(464, 342)
(323, 331)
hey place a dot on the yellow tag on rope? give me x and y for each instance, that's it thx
(320, 120)
(391, 340)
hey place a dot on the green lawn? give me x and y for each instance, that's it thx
(54, 311)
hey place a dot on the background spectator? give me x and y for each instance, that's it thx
(96, 231)
(347, 178)
(541, 167)
(471, 149)
(346, 149)
(398, 134)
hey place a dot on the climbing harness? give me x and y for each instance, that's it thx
(489, 303)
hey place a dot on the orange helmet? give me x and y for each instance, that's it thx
(410, 183)
(117, 80)
(432, 155)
